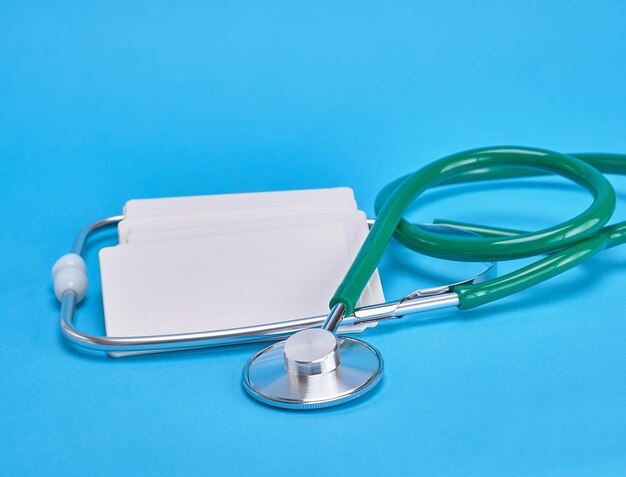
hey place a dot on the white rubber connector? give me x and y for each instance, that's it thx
(69, 273)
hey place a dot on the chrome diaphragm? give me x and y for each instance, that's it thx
(312, 369)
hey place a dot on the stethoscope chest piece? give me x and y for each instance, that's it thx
(312, 369)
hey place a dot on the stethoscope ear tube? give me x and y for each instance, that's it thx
(571, 242)
(71, 286)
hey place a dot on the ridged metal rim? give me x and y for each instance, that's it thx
(285, 403)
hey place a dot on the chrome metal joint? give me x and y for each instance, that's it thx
(334, 317)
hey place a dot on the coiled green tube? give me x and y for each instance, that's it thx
(568, 244)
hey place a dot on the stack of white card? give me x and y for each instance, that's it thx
(227, 261)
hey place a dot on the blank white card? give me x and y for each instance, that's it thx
(217, 262)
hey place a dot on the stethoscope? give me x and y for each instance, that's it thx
(317, 366)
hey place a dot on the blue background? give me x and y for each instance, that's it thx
(101, 102)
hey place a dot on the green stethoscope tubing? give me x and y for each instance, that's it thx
(568, 244)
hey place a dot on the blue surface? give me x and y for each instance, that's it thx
(101, 102)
